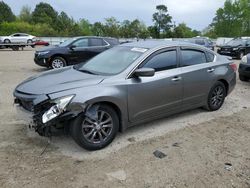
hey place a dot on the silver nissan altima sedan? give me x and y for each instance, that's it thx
(127, 85)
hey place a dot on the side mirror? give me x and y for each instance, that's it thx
(72, 47)
(144, 72)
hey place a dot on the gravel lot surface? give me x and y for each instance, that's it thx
(197, 144)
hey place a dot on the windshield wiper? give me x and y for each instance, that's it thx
(86, 71)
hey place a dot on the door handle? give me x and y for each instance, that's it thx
(177, 78)
(210, 70)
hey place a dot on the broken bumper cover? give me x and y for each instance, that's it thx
(33, 113)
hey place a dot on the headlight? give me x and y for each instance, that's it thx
(43, 53)
(244, 60)
(57, 109)
(234, 49)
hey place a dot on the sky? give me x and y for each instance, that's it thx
(197, 14)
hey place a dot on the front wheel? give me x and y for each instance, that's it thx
(240, 55)
(58, 62)
(97, 131)
(216, 96)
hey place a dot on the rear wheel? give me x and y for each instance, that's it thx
(96, 132)
(243, 78)
(6, 41)
(58, 62)
(216, 96)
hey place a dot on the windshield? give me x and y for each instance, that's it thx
(112, 61)
(235, 42)
(66, 42)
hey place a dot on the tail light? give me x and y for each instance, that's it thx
(233, 66)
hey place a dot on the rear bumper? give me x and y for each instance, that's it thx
(232, 83)
(244, 70)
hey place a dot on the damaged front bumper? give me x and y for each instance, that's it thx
(31, 109)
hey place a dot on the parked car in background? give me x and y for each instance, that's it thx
(203, 41)
(18, 38)
(73, 51)
(244, 68)
(126, 85)
(41, 43)
(237, 47)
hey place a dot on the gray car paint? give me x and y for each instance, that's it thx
(136, 99)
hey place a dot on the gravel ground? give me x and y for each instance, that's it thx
(197, 144)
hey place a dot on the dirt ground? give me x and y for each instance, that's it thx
(197, 144)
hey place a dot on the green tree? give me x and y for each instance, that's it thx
(6, 14)
(25, 14)
(162, 20)
(44, 13)
(111, 27)
(182, 31)
(97, 29)
(85, 27)
(231, 19)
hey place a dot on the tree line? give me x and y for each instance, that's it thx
(44, 20)
(232, 20)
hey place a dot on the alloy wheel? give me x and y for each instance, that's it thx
(217, 97)
(97, 130)
(57, 63)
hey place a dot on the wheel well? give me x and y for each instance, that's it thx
(59, 55)
(225, 84)
(117, 110)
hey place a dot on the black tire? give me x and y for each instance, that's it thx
(243, 78)
(29, 41)
(58, 62)
(216, 96)
(79, 128)
(241, 54)
(6, 41)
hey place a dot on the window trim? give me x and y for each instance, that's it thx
(159, 52)
(194, 49)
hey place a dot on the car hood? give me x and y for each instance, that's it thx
(58, 80)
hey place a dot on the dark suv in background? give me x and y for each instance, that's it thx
(73, 51)
(237, 47)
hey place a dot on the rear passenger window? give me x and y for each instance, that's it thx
(192, 57)
(96, 42)
(163, 61)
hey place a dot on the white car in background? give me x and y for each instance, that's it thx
(18, 38)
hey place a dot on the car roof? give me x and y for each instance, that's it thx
(150, 44)
(98, 37)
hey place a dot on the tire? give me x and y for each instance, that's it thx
(240, 55)
(243, 78)
(7, 41)
(216, 96)
(88, 133)
(58, 62)
(29, 41)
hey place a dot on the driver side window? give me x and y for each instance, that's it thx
(81, 43)
(162, 61)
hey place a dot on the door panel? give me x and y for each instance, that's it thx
(80, 51)
(198, 76)
(154, 96)
(197, 81)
